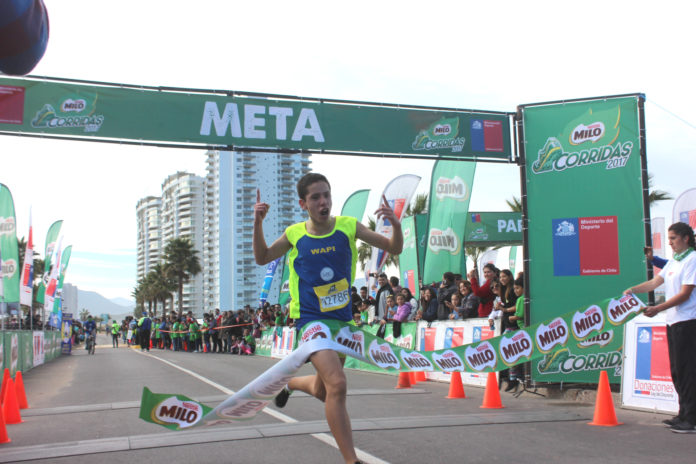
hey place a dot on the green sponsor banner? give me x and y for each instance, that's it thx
(491, 229)
(284, 288)
(406, 340)
(64, 260)
(586, 218)
(8, 248)
(581, 328)
(228, 119)
(450, 192)
(355, 204)
(408, 259)
(51, 239)
(422, 243)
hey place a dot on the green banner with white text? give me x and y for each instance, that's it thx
(493, 229)
(231, 119)
(585, 204)
(9, 253)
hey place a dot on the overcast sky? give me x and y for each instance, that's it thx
(479, 55)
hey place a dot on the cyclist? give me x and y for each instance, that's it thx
(90, 328)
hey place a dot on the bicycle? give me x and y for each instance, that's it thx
(91, 343)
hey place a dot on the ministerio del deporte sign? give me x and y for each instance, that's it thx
(233, 120)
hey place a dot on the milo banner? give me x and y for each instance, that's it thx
(408, 259)
(575, 328)
(9, 270)
(493, 229)
(203, 118)
(450, 192)
(583, 164)
(406, 339)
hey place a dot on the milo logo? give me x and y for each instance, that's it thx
(69, 105)
(383, 355)
(175, 411)
(7, 226)
(8, 269)
(448, 361)
(512, 349)
(585, 322)
(549, 336)
(619, 310)
(481, 356)
(244, 408)
(268, 386)
(444, 240)
(442, 134)
(354, 341)
(315, 330)
(454, 188)
(601, 339)
(583, 133)
(416, 361)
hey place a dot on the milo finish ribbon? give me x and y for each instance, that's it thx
(179, 412)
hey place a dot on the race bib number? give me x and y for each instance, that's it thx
(333, 296)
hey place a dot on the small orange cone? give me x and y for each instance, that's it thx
(491, 397)
(456, 389)
(604, 414)
(10, 407)
(420, 376)
(412, 378)
(205, 348)
(21, 394)
(5, 378)
(404, 380)
(4, 438)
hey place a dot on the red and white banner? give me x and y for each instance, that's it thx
(684, 209)
(26, 283)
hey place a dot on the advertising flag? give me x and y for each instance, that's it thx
(53, 277)
(398, 194)
(657, 227)
(8, 243)
(684, 209)
(355, 204)
(26, 289)
(284, 291)
(51, 237)
(512, 260)
(585, 179)
(450, 192)
(268, 280)
(408, 259)
(64, 260)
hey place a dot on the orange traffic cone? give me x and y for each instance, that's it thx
(4, 438)
(456, 389)
(21, 395)
(412, 378)
(10, 407)
(205, 348)
(5, 378)
(491, 397)
(404, 380)
(420, 376)
(604, 413)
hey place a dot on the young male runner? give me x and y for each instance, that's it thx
(323, 260)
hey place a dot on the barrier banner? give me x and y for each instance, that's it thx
(178, 412)
(586, 207)
(219, 118)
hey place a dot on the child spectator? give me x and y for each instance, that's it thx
(495, 313)
(518, 318)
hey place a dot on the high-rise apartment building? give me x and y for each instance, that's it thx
(149, 234)
(232, 278)
(216, 213)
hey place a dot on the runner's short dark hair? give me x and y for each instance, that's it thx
(309, 179)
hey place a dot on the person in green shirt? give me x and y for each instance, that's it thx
(518, 318)
(248, 345)
(205, 329)
(115, 328)
(195, 336)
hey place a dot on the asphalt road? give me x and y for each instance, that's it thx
(84, 409)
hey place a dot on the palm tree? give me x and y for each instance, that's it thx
(140, 293)
(475, 252)
(182, 263)
(418, 206)
(162, 287)
(365, 250)
(84, 314)
(515, 204)
(656, 195)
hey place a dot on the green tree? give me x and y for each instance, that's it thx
(475, 252)
(162, 287)
(419, 205)
(181, 262)
(654, 195)
(84, 314)
(515, 204)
